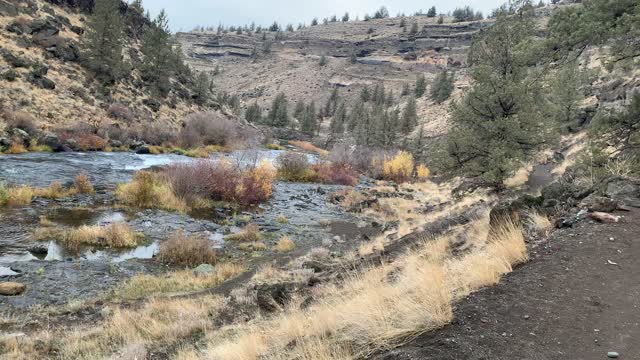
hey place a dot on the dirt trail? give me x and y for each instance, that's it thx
(578, 298)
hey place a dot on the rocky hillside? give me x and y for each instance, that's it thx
(357, 53)
(41, 72)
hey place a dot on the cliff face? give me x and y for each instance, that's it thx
(357, 53)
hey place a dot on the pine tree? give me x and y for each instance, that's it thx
(158, 54)
(339, 119)
(565, 94)
(409, 117)
(202, 88)
(253, 114)
(357, 115)
(278, 114)
(442, 87)
(421, 86)
(431, 12)
(406, 90)
(298, 112)
(345, 17)
(103, 41)
(308, 125)
(379, 94)
(499, 123)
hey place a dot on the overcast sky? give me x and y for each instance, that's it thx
(185, 14)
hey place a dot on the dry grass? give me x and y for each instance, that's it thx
(115, 235)
(142, 286)
(146, 190)
(381, 307)
(285, 244)
(307, 146)
(282, 219)
(251, 232)
(181, 249)
(54, 191)
(16, 148)
(539, 223)
(82, 184)
(253, 246)
(16, 196)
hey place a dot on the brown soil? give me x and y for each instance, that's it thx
(568, 302)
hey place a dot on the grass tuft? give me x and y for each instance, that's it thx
(181, 249)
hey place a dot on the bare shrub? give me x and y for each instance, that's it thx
(203, 179)
(207, 128)
(158, 134)
(120, 111)
(294, 167)
(21, 120)
(82, 184)
(181, 249)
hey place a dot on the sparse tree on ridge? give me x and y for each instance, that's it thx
(421, 85)
(431, 12)
(103, 42)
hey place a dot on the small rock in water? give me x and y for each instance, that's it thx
(10, 288)
(203, 269)
(612, 355)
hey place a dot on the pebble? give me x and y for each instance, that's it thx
(612, 355)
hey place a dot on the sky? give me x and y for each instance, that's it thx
(184, 15)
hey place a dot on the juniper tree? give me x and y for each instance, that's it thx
(253, 114)
(278, 114)
(383, 132)
(357, 115)
(499, 122)
(332, 103)
(619, 132)
(275, 27)
(156, 47)
(314, 22)
(406, 90)
(409, 118)
(202, 88)
(442, 87)
(339, 119)
(365, 96)
(299, 110)
(565, 94)
(103, 41)
(421, 86)
(333, 19)
(308, 123)
(379, 94)
(431, 12)
(345, 17)
(289, 27)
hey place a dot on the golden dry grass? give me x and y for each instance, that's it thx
(115, 235)
(83, 185)
(141, 286)
(285, 244)
(182, 249)
(16, 196)
(539, 223)
(520, 177)
(374, 310)
(146, 190)
(250, 232)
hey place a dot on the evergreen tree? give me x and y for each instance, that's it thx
(275, 27)
(339, 119)
(158, 53)
(406, 90)
(409, 117)
(431, 12)
(332, 103)
(363, 130)
(421, 86)
(103, 41)
(417, 147)
(442, 87)
(619, 132)
(202, 88)
(345, 17)
(565, 94)
(253, 114)
(379, 94)
(278, 114)
(298, 112)
(463, 14)
(314, 22)
(499, 122)
(357, 115)
(384, 129)
(308, 124)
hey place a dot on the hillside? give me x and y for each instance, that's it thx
(358, 53)
(42, 75)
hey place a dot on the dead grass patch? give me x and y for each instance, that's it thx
(182, 249)
(285, 244)
(83, 185)
(307, 146)
(114, 235)
(250, 232)
(141, 286)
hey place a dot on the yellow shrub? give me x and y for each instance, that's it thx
(147, 191)
(15, 196)
(422, 172)
(16, 148)
(83, 185)
(285, 244)
(399, 168)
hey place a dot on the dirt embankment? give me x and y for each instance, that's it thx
(578, 298)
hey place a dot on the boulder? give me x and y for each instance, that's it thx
(21, 135)
(10, 75)
(143, 149)
(623, 189)
(203, 270)
(44, 28)
(599, 203)
(274, 297)
(5, 141)
(71, 145)
(14, 60)
(51, 140)
(65, 49)
(10, 288)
